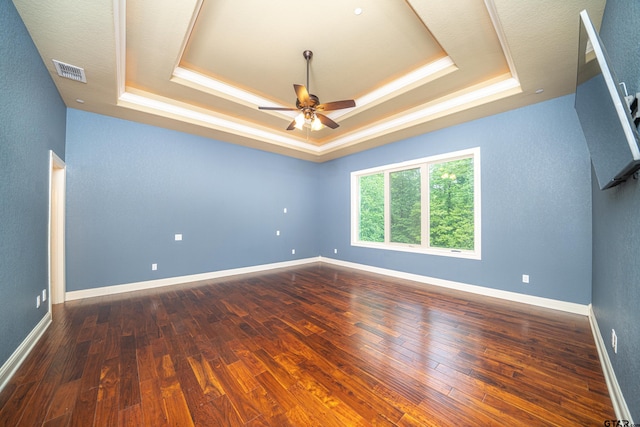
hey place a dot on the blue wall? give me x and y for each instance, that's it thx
(616, 222)
(32, 118)
(536, 203)
(131, 187)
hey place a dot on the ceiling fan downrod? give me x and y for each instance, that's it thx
(307, 55)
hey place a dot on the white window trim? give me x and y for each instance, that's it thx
(455, 253)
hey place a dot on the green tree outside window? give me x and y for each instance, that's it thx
(372, 208)
(451, 215)
(405, 206)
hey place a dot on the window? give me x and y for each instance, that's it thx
(429, 205)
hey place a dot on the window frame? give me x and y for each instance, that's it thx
(423, 164)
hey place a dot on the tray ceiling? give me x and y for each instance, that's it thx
(204, 66)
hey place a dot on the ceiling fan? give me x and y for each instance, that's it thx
(310, 107)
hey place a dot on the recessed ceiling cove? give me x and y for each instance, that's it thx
(344, 44)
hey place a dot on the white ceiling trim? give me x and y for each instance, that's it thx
(165, 109)
(430, 112)
(395, 88)
(220, 88)
(120, 31)
(497, 25)
(192, 23)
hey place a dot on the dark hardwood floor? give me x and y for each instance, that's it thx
(311, 346)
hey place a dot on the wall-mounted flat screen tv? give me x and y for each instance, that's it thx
(605, 117)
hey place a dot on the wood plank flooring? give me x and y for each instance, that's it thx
(311, 346)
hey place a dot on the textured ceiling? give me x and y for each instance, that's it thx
(204, 66)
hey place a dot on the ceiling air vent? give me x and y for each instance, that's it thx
(70, 71)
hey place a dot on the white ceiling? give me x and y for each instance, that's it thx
(412, 66)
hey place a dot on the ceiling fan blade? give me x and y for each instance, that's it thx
(302, 94)
(336, 105)
(278, 108)
(327, 121)
(292, 125)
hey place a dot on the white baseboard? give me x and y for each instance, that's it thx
(496, 293)
(480, 290)
(15, 360)
(150, 284)
(617, 399)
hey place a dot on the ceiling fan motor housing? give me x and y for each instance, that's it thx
(313, 101)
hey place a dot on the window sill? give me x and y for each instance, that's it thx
(453, 253)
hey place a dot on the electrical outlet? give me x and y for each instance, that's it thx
(614, 341)
(38, 301)
(525, 278)
(335, 251)
(178, 237)
(285, 210)
(154, 267)
(293, 251)
(277, 232)
(44, 295)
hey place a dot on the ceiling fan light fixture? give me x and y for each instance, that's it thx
(316, 124)
(299, 121)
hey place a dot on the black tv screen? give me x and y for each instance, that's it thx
(612, 137)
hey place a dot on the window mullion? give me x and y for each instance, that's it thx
(387, 207)
(424, 194)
